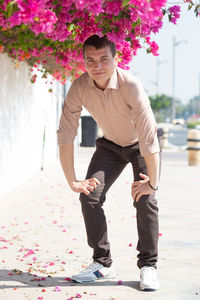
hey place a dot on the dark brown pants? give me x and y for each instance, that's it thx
(106, 165)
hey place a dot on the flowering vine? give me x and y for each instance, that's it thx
(48, 34)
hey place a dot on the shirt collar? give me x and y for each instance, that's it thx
(112, 84)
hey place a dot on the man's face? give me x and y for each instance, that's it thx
(99, 64)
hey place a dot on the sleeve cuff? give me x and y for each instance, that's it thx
(149, 148)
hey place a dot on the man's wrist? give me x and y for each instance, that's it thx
(72, 183)
(153, 188)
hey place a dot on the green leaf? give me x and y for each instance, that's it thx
(169, 17)
(149, 50)
(124, 3)
(9, 9)
(190, 5)
(197, 8)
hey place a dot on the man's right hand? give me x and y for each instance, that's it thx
(85, 186)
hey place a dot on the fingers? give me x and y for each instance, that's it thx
(90, 185)
(137, 198)
(86, 192)
(95, 180)
(134, 194)
(139, 189)
(143, 176)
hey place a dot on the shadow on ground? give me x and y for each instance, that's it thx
(26, 280)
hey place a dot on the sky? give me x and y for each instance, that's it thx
(187, 58)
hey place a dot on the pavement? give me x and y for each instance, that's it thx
(43, 240)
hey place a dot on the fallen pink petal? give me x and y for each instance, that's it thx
(2, 239)
(57, 289)
(67, 279)
(120, 282)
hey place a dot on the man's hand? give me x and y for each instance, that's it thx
(85, 186)
(141, 187)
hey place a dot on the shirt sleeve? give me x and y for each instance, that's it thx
(144, 119)
(69, 120)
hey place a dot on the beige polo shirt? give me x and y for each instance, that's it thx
(122, 111)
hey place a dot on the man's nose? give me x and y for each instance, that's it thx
(97, 64)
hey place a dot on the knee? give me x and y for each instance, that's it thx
(147, 203)
(93, 199)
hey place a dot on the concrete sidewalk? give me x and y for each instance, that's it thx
(43, 240)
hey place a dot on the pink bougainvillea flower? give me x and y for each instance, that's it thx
(78, 296)
(175, 13)
(58, 28)
(120, 282)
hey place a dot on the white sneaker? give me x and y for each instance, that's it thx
(95, 271)
(148, 279)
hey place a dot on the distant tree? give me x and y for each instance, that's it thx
(193, 107)
(161, 105)
(160, 102)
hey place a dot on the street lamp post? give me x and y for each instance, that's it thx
(199, 85)
(158, 63)
(173, 108)
(156, 82)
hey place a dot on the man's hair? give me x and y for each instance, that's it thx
(98, 43)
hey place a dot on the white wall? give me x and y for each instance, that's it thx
(26, 109)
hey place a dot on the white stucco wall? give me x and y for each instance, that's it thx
(26, 109)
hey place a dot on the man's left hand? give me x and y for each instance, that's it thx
(141, 187)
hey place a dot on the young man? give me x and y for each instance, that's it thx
(118, 103)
